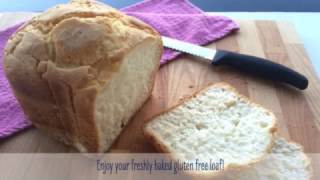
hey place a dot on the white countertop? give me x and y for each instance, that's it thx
(307, 26)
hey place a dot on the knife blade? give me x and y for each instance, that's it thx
(256, 66)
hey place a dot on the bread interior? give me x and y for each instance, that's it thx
(126, 92)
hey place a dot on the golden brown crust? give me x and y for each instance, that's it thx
(162, 148)
(58, 62)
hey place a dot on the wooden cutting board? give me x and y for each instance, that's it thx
(298, 111)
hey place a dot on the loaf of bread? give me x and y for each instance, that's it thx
(81, 70)
(216, 123)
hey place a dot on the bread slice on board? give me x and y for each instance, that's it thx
(215, 123)
(287, 161)
(81, 70)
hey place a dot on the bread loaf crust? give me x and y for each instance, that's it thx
(58, 62)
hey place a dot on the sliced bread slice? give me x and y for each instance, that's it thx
(215, 123)
(287, 161)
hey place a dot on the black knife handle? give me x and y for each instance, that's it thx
(261, 67)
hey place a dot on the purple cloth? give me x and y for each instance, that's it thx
(181, 20)
(175, 18)
(12, 118)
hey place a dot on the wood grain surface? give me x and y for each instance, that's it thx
(298, 112)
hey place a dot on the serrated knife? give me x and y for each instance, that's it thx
(250, 64)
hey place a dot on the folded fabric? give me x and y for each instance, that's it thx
(181, 20)
(12, 118)
(175, 18)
